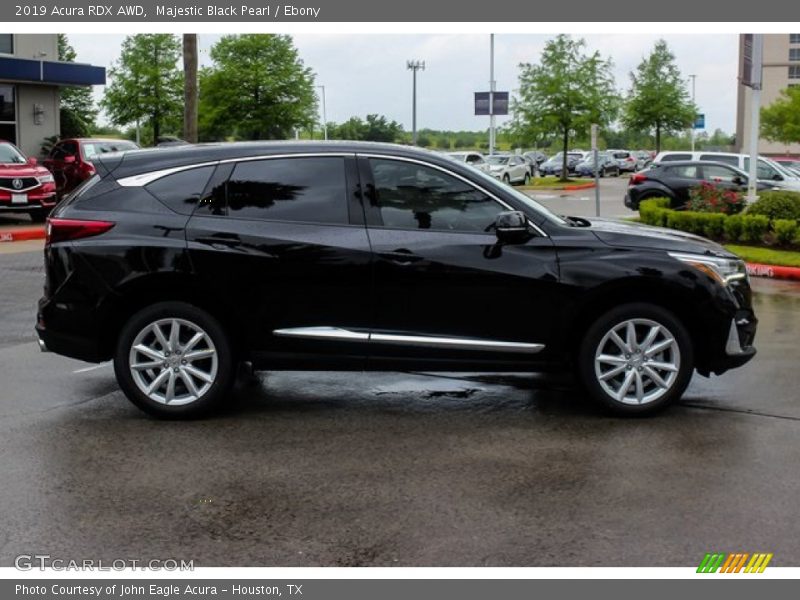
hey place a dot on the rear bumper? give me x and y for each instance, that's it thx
(68, 345)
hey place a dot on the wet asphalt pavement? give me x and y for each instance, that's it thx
(319, 469)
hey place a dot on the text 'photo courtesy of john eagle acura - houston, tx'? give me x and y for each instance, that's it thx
(181, 264)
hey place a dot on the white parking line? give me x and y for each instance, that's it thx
(93, 367)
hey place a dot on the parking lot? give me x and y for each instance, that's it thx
(395, 468)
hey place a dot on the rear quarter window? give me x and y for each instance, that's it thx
(181, 191)
(671, 157)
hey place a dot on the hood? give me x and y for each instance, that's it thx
(22, 170)
(635, 235)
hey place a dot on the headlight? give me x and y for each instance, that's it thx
(723, 270)
(46, 179)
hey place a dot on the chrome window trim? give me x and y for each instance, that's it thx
(148, 177)
(420, 341)
(21, 190)
(452, 174)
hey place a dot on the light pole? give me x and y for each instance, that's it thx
(692, 130)
(491, 95)
(324, 116)
(414, 66)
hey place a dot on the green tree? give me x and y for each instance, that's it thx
(658, 100)
(377, 128)
(77, 109)
(780, 121)
(257, 88)
(563, 94)
(147, 84)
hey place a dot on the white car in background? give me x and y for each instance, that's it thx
(509, 168)
(473, 159)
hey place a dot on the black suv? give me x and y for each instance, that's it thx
(181, 263)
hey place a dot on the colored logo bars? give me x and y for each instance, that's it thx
(734, 562)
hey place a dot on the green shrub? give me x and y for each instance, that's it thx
(714, 226)
(654, 211)
(754, 228)
(777, 204)
(733, 227)
(786, 231)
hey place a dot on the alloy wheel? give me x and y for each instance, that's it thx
(173, 361)
(637, 361)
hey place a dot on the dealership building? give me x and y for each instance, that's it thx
(780, 70)
(31, 77)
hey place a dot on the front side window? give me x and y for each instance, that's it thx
(763, 170)
(413, 196)
(670, 157)
(731, 160)
(715, 173)
(309, 189)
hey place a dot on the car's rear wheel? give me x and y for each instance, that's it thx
(174, 360)
(506, 179)
(636, 359)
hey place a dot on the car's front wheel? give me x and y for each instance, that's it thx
(174, 360)
(636, 359)
(527, 179)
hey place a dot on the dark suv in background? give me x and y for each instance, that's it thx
(181, 263)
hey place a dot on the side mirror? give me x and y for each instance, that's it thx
(777, 177)
(33, 161)
(69, 159)
(739, 180)
(511, 227)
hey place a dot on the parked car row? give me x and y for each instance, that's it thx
(674, 174)
(28, 186)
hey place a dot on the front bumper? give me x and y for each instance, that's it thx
(739, 348)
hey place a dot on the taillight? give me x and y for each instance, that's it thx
(63, 230)
(87, 170)
(637, 178)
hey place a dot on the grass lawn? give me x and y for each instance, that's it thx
(556, 183)
(766, 256)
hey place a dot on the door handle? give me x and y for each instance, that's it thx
(402, 257)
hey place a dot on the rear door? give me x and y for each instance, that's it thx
(283, 239)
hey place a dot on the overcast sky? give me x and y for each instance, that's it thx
(367, 73)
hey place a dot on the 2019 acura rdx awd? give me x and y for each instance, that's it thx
(182, 262)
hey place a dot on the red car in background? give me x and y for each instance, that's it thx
(25, 185)
(70, 160)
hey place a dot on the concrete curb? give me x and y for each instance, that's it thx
(23, 233)
(773, 271)
(582, 186)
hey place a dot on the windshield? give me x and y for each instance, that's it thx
(497, 160)
(529, 202)
(10, 155)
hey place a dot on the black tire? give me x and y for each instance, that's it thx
(644, 314)
(527, 179)
(506, 179)
(225, 369)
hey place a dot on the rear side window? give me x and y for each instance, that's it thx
(670, 157)
(728, 160)
(310, 189)
(182, 190)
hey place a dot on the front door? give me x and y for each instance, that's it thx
(445, 290)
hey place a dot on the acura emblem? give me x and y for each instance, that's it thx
(17, 184)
